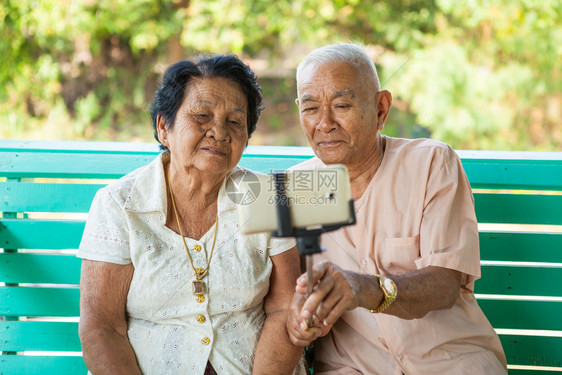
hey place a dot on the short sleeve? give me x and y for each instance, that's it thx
(278, 245)
(106, 235)
(449, 231)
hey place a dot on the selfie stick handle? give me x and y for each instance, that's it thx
(307, 246)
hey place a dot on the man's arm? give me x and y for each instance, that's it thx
(103, 325)
(336, 290)
(275, 353)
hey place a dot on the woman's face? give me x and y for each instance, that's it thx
(210, 130)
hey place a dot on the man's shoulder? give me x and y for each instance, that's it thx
(417, 148)
(404, 144)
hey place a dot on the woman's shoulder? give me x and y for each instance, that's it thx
(121, 189)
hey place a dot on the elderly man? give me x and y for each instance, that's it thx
(394, 294)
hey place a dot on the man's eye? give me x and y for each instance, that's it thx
(309, 109)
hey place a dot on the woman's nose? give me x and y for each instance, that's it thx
(218, 130)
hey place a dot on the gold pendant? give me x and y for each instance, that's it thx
(198, 287)
(201, 272)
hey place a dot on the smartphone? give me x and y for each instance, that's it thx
(316, 198)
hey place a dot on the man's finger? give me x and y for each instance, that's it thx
(318, 295)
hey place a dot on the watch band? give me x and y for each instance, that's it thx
(388, 295)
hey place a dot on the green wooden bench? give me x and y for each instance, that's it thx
(45, 193)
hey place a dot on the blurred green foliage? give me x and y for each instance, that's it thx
(480, 74)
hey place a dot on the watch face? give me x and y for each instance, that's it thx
(390, 286)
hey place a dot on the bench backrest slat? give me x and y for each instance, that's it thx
(44, 365)
(39, 301)
(29, 268)
(41, 234)
(521, 246)
(547, 351)
(520, 281)
(521, 314)
(518, 209)
(47, 197)
(39, 336)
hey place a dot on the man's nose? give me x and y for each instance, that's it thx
(327, 121)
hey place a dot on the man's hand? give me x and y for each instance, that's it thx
(335, 291)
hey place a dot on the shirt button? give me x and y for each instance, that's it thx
(399, 356)
(365, 261)
(200, 298)
(201, 318)
(205, 341)
(197, 248)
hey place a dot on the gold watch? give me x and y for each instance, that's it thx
(390, 292)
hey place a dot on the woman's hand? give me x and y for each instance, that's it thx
(300, 333)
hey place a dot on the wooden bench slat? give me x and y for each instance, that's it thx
(522, 281)
(36, 301)
(42, 365)
(518, 209)
(47, 197)
(69, 165)
(533, 350)
(516, 314)
(109, 166)
(39, 336)
(530, 372)
(535, 174)
(46, 234)
(39, 268)
(514, 246)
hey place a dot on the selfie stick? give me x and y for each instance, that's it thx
(308, 240)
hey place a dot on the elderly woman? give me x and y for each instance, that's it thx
(169, 285)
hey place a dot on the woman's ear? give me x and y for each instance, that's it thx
(162, 130)
(384, 101)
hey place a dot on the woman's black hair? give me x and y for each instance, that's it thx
(170, 93)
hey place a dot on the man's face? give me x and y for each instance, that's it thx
(338, 112)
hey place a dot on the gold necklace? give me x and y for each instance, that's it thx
(200, 273)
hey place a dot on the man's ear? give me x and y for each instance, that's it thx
(162, 131)
(384, 101)
(298, 103)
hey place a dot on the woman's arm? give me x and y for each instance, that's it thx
(103, 324)
(275, 353)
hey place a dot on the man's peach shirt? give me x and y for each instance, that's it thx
(417, 211)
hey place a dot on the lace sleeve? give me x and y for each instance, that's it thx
(106, 235)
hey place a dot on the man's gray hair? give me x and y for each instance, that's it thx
(351, 53)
